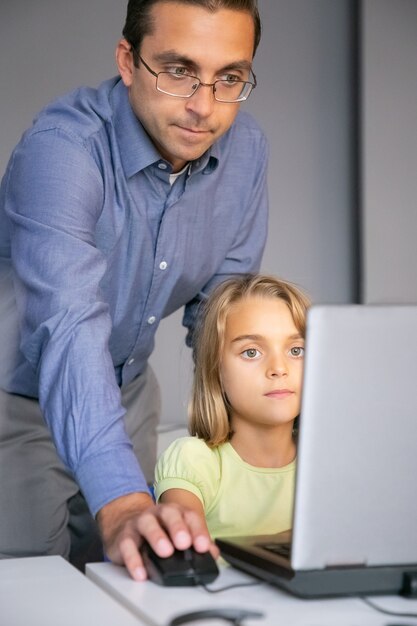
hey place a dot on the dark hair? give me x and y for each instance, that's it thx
(139, 20)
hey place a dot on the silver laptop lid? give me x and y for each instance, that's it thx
(356, 486)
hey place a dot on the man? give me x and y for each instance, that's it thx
(119, 206)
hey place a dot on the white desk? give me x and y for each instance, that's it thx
(48, 591)
(156, 605)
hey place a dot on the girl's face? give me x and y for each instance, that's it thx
(262, 362)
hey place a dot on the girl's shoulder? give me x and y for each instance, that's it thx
(190, 445)
(187, 453)
(189, 463)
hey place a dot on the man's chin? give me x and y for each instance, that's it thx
(180, 151)
(187, 156)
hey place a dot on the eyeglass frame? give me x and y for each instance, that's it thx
(200, 83)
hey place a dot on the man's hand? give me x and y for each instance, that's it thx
(126, 521)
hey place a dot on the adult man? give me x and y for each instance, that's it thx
(119, 206)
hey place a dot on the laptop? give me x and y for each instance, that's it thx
(355, 510)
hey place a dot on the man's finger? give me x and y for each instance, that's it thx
(131, 558)
(152, 527)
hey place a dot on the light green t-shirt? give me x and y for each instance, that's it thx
(238, 498)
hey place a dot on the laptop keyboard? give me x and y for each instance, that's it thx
(282, 549)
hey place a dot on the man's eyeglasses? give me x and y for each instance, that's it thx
(184, 85)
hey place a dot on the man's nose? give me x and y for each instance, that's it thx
(202, 101)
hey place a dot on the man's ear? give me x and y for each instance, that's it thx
(124, 60)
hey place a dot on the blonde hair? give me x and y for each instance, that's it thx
(208, 409)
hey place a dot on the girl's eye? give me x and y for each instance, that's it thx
(297, 351)
(251, 353)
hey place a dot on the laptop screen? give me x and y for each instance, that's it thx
(357, 456)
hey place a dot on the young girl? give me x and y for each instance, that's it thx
(237, 470)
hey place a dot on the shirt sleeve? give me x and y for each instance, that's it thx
(54, 197)
(188, 463)
(245, 255)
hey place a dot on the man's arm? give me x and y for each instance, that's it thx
(126, 521)
(53, 201)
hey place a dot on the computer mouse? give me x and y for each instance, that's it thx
(184, 568)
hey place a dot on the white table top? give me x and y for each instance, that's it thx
(157, 605)
(48, 591)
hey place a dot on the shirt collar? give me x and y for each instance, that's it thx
(136, 149)
(207, 163)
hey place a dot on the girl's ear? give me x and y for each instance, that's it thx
(124, 60)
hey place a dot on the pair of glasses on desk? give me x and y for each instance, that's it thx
(232, 616)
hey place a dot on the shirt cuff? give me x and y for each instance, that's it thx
(110, 475)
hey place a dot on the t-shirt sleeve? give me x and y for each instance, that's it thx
(188, 463)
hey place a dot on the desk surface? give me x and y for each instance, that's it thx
(156, 605)
(48, 591)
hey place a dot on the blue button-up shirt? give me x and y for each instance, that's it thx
(102, 247)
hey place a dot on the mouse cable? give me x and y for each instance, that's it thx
(234, 616)
(385, 611)
(234, 586)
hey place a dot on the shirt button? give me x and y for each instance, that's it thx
(163, 265)
(130, 361)
(151, 319)
(162, 166)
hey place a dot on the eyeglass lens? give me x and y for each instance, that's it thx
(185, 86)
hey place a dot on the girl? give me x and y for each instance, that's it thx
(237, 470)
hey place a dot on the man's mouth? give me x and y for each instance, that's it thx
(195, 131)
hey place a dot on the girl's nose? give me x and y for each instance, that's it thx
(277, 367)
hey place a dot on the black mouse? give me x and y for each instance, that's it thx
(184, 568)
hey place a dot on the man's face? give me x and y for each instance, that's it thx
(188, 39)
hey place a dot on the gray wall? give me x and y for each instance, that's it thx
(303, 102)
(48, 47)
(389, 135)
